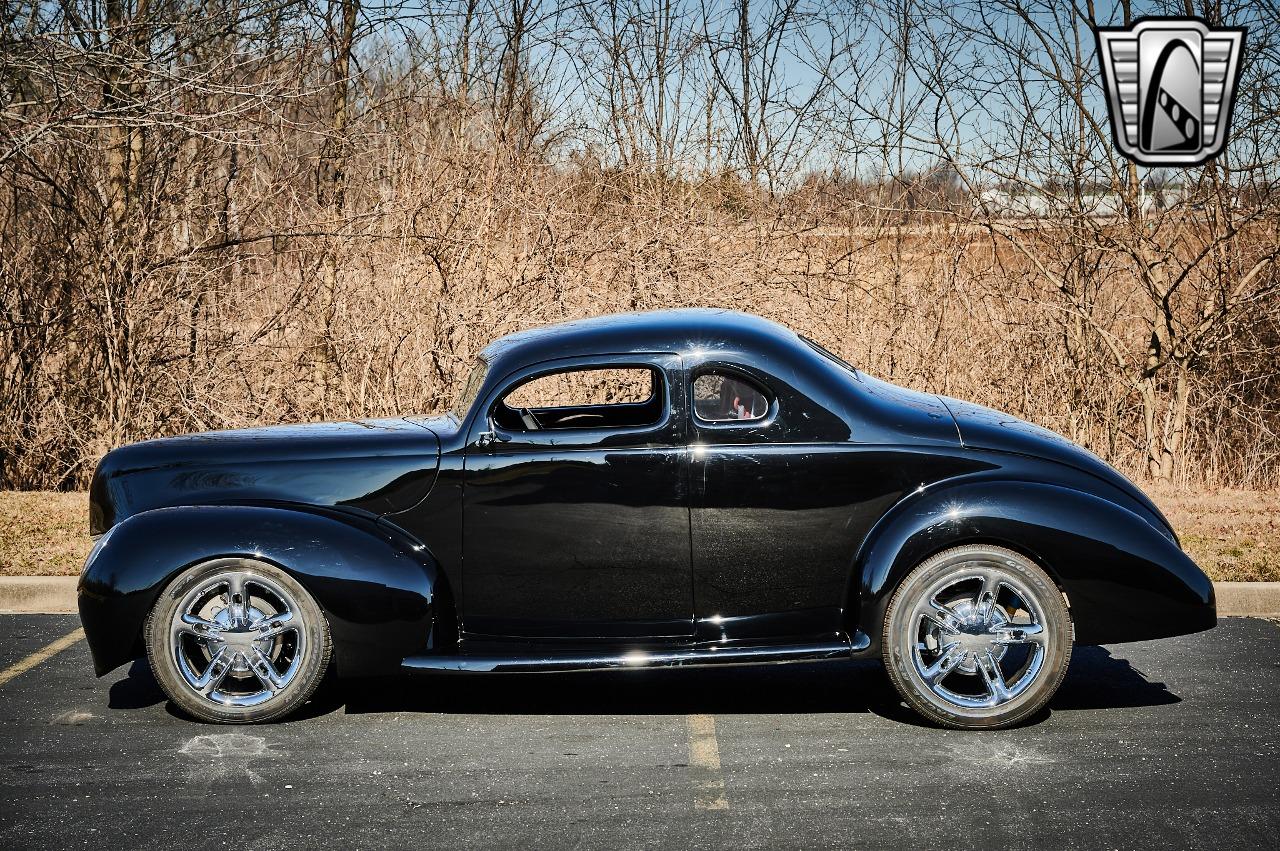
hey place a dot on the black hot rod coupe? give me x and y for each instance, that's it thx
(742, 496)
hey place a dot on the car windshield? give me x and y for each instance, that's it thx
(831, 356)
(470, 389)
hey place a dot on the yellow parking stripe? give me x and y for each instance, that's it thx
(704, 759)
(46, 652)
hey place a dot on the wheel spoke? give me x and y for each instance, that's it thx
(217, 671)
(943, 617)
(197, 626)
(1020, 633)
(276, 624)
(951, 656)
(264, 670)
(238, 597)
(994, 677)
(986, 600)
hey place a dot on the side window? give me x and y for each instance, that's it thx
(722, 397)
(626, 397)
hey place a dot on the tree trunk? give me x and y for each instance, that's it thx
(749, 151)
(122, 88)
(335, 195)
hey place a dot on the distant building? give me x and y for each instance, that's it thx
(1102, 204)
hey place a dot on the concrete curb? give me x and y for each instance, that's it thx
(54, 595)
(57, 595)
(1248, 599)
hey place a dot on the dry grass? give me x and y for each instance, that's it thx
(43, 533)
(1233, 534)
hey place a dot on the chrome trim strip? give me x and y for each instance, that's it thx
(546, 659)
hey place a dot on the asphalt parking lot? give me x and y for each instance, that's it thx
(1160, 744)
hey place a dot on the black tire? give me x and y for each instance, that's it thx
(306, 634)
(914, 641)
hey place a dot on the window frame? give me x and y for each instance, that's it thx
(737, 373)
(667, 431)
(654, 386)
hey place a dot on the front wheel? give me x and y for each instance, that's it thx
(977, 637)
(237, 641)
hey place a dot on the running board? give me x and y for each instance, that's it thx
(540, 659)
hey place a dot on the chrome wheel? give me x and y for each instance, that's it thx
(978, 637)
(238, 638)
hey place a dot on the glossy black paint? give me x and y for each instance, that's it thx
(583, 545)
(602, 521)
(375, 588)
(371, 467)
(1124, 580)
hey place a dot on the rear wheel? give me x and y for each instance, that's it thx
(237, 641)
(977, 637)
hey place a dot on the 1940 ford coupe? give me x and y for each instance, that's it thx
(727, 492)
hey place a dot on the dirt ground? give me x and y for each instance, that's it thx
(1233, 535)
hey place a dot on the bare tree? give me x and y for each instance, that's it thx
(1017, 109)
(223, 213)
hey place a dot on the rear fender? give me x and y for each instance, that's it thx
(375, 587)
(1124, 579)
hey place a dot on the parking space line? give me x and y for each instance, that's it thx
(704, 759)
(47, 652)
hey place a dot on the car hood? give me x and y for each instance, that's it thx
(986, 428)
(371, 466)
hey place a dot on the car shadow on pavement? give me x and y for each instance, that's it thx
(770, 689)
(1098, 680)
(137, 690)
(1095, 680)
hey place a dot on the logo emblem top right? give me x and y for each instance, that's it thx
(1170, 86)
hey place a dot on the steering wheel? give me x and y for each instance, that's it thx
(529, 419)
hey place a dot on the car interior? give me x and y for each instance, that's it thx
(718, 397)
(629, 397)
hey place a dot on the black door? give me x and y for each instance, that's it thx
(575, 507)
(776, 508)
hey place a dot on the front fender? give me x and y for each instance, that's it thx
(1124, 580)
(375, 589)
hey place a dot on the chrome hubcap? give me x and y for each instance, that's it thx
(237, 638)
(977, 637)
(976, 634)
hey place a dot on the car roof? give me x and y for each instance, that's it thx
(682, 332)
